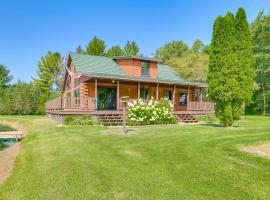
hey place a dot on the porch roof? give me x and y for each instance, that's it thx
(101, 66)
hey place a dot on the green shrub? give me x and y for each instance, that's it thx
(151, 112)
(80, 120)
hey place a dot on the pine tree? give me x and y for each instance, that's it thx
(5, 76)
(131, 48)
(261, 46)
(96, 47)
(79, 49)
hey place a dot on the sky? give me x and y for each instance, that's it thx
(30, 28)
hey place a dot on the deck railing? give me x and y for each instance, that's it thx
(89, 104)
(72, 103)
(200, 106)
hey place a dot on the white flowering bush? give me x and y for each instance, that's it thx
(151, 112)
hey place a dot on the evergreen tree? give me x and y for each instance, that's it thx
(131, 48)
(5, 76)
(261, 46)
(115, 51)
(79, 49)
(244, 56)
(96, 47)
(49, 68)
(227, 76)
(50, 72)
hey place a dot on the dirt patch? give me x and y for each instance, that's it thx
(260, 150)
(9, 154)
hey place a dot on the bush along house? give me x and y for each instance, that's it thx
(95, 85)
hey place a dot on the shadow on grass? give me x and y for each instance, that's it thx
(214, 124)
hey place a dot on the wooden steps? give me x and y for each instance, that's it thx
(186, 118)
(110, 119)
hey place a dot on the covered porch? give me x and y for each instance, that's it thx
(104, 95)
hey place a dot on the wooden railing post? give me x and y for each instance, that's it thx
(96, 93)
(157, 91)
(118, 93)
(174, 97)
(188, 105)
(139, 89)
(124, 101)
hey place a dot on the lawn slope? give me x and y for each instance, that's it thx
(162, 162)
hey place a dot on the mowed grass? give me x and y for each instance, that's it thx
(154, 162)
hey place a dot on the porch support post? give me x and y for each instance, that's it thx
(201, 95)
(139, 89)
(96, 93)
(173, 96)
(118, 92)
(157, 91)
(188, 98)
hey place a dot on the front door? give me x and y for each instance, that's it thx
(107, 98)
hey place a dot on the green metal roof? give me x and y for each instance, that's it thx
(101, 65)
(87, 64)
(165, 72)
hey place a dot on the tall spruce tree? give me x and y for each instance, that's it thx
(228, 73)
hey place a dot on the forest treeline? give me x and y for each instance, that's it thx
(191, 62)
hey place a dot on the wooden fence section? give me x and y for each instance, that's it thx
(72, 103)
(200, 106)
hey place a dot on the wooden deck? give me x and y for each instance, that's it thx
(103, 112)
(87, 105)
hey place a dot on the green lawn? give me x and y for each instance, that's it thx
(161, 162)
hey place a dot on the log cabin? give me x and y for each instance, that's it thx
(95, 85)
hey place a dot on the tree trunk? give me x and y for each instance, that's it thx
(263, 93)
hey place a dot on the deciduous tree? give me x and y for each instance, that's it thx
(193, 66)
(171, 49)
(198, 46)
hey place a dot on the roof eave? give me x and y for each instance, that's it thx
(86, 77)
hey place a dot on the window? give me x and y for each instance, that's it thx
(168, 94)
(76, 82)
(77, 97)
(144, 93)
(145, 66)
(183, 98)
(77, 92)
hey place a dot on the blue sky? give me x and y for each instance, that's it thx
(30, 28)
